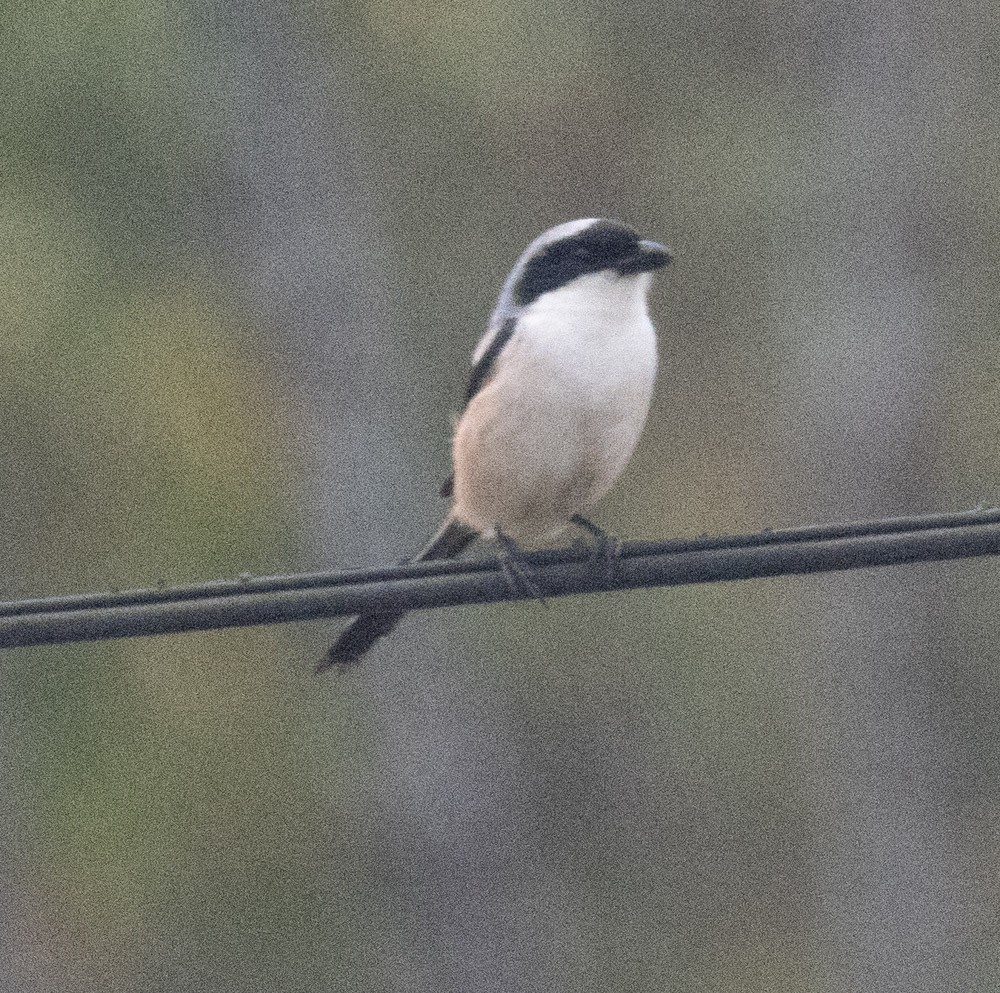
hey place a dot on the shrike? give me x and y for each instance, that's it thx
(557, 399)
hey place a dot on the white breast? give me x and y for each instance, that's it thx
(596, 335)
(561, 414)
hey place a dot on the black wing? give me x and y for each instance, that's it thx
(480, 373)
(482, 369)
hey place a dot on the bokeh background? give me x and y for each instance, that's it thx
(245, 253)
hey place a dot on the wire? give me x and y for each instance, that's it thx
(426, 585)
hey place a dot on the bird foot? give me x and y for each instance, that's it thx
(516, 570)
(606, 549)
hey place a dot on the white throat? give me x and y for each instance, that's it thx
(591, 312)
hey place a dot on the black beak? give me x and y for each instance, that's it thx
(647, 257)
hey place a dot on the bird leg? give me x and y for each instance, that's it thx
(515, 569)
(607, 549)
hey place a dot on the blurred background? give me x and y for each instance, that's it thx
(245, 254)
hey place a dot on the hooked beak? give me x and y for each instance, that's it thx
(648, 256)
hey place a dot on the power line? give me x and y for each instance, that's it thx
(426, 585)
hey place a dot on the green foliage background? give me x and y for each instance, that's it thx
(245, 253)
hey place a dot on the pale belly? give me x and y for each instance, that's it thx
(529, 455)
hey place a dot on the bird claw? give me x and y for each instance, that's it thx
(606, 551)
(516, 570)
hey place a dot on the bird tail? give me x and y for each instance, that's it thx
(451, 539)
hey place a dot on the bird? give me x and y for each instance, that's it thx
(557, 398)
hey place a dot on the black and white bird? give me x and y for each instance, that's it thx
(560, 388)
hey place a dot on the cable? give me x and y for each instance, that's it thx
(426, 585)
